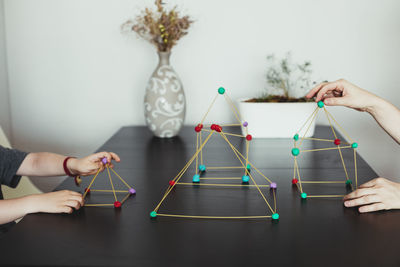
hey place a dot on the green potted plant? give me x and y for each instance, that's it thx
(282, 108)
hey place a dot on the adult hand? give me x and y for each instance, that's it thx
(344, 93)
(377, 194)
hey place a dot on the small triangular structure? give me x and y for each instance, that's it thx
(332, 144)
(90, 190)
(244, 165)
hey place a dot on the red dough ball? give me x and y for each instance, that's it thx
(212, 127)
(295, 181)
(337, 142)
(249, 137)
(117, 204)
(200, 125)
(171, 183)
(218, 128)
(197, 129)
(87, 190)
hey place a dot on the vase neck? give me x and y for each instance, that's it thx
(164, 58)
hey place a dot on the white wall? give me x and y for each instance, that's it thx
(5, 118)
(74, 79)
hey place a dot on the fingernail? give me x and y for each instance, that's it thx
(346, 203)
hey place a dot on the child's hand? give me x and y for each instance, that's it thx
(92, 163)
(344, 93)
(64, 201)
(377, 194)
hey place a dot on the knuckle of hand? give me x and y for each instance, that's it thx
(368, 199)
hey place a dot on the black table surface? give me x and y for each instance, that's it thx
(312, 232)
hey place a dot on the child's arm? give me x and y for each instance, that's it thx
(49, 164)
(55, 202)
(380, 193)
(344, 93)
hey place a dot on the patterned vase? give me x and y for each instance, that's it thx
(164, 102)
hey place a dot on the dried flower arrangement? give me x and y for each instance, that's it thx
(286, 81)
(163, 28)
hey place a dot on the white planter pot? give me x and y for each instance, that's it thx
(276, 120)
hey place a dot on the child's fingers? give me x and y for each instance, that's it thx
(73, 204)
(66, 209)
(78, 199)
(75, 195)
(109, 155)
(115, 157)
(99, 156)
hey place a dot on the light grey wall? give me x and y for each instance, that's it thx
(5, 118)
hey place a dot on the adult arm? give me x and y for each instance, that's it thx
(344, 93)
(379, 193)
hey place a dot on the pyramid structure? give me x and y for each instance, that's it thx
(334, 144)
(246, 169)
(89, 190)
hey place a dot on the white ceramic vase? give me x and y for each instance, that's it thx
(164, 102)
(276, 120)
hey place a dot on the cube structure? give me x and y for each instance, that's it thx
(331, 144)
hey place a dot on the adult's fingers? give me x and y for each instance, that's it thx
(372, 207)
(364, 200)
(337, 101)
(328, 88)
(315, 90)
(372, 183)
(360, 192)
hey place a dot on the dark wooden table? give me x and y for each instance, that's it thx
(314, 232)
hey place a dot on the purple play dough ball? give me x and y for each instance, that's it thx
(273, 185)
(132, 191)
(245, 124)
(104, 160)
